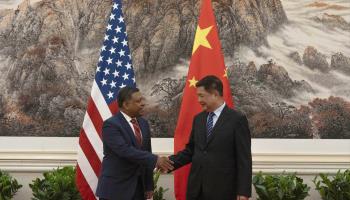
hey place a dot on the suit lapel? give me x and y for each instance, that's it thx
(203, 136)
(126, 126)
(222, 118)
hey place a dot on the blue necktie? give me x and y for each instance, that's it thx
(210, 123)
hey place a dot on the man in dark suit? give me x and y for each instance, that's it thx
(127, 166)
(219, 148)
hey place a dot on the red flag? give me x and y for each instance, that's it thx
(114, 71)
(207, 59)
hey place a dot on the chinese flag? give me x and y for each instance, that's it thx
(207, 59)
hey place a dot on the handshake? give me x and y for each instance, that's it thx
(164, 164)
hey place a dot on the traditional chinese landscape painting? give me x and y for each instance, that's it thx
(288, 62)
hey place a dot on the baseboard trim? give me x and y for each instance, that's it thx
(305, 157)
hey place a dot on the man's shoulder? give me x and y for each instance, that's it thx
(142, 121)
(235, 113)
(113, 119)
(201, 114)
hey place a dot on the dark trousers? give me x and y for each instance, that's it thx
(199, 196)
(139, 192)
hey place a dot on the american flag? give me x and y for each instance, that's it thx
(114, 71)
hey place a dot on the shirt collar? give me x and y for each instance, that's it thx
(127, 117)
(219, 109)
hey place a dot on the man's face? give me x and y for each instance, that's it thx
(207, 100)
(135, 105)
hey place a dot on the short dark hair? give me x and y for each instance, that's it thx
(211, 83)
(124, 94)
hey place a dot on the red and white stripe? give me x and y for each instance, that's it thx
(90, 150)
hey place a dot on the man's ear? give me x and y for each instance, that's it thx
(216, 93)
(126, 105)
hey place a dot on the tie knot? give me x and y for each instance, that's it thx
(211, 114)
(133, 120)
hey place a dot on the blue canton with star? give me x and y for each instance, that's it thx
(114, 70)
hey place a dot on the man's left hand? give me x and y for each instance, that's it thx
(149, 194)
(242, 198)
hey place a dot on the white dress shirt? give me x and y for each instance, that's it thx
(217, 113)
(128, 119)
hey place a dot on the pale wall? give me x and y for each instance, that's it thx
(26, 158)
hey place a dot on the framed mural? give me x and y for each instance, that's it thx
(288, 62)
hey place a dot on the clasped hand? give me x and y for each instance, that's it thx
(164, 164)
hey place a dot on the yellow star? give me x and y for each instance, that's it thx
(193, 82)
(226, 72)
(201, 38)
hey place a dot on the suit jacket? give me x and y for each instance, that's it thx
(222, 163)
(124, 161)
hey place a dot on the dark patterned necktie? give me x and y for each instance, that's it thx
(137, 131)
(210, 123)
